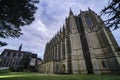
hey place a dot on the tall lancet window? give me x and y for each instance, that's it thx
(88, 21)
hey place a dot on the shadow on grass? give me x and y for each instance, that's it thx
(4, 72)
(37, 76)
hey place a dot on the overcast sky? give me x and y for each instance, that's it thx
(49, 17)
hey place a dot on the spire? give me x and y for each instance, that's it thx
(89, 9)
(60, 30)
(66, 18)
(20, 47)
(80, 10)
(63, 27)
(70, 13)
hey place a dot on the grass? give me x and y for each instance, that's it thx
(2, 72)
(38, 76)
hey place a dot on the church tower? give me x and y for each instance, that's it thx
(98, 44)
(20, 47)
(77, 57)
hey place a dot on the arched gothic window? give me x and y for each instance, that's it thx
(88, 21)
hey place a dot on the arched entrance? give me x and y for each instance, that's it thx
(63, 68)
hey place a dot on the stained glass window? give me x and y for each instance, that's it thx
(88, 21)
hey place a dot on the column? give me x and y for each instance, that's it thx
(57, 51)
(50, 54)
(9, 62)
(5, 65)
(11, 54)
(53, 53)
(67, 55)
(61, 50)
(55, 57)
(2, 63)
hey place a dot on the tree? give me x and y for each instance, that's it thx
(13, 15)
(113, 12)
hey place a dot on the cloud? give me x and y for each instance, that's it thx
(49, 17)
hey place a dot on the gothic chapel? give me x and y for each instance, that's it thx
(84, 45)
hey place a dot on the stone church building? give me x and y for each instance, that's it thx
(83, 45)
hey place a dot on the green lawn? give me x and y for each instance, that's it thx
(38, 76)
